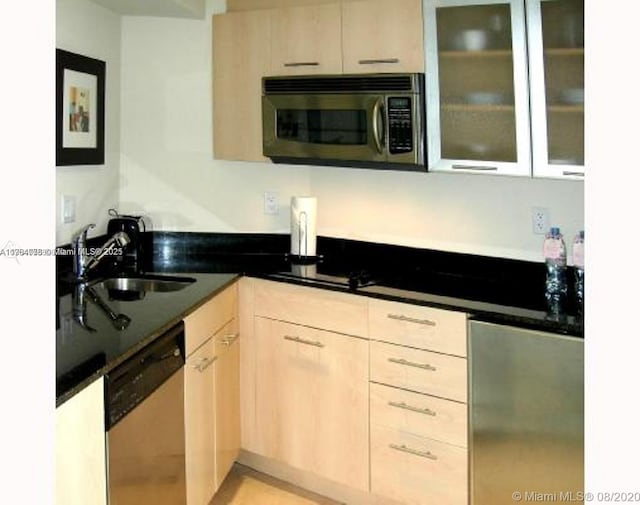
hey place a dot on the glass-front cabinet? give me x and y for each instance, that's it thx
(505, 86)
(556, 72)
(477, 87)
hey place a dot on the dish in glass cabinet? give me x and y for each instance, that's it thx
(483, 97)
(472, 40)
(572, 96)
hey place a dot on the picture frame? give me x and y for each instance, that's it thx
(80, 97)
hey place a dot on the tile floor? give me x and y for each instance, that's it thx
(244, 486)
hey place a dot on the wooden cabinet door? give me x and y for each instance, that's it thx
(382, 36)
(81, 473)
(241, 57)
(312, 400)
(227, 378)
(200, 424)
(306, 40)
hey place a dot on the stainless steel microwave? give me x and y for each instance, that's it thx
(367, 121)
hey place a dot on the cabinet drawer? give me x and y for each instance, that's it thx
(419, 414)
(418, 370)
(317, 308)
(417, 470)
(208, 319)
(416, 326)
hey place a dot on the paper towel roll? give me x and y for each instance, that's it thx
(303, 225)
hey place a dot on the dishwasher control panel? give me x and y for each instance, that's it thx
(130, 383)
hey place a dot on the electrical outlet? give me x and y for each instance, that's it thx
(270, 203)
(540, 220)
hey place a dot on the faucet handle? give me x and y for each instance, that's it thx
(83, 231)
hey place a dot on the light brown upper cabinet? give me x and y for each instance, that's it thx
(382, 36)
(241, 57)
(306, 40)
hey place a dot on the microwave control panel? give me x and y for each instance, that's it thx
(399, 112)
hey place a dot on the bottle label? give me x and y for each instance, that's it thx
(578, 254)
(552, 249)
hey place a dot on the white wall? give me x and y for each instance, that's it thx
(168, 171)
(88, 29)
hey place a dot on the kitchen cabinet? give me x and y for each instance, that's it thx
(211, 395)
(241, 57)
(382, 36)
(556, 73)
(305, 379)
(306, 40)
(312, 400)
(418, 403)
(227, 404)
(478, 106)
(81, 472)
(506, 97)
(200, 422)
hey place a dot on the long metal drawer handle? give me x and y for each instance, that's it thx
(579, 174)
(299, 340)
(400, 317)
(302, 64)
(403, 405)
(474, 167)
(205, 363)
(402, 361)
(229, 339)
(382, 60)
(415, 452)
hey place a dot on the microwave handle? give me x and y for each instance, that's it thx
(377, 135)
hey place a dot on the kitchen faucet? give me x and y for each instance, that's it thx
(83, 261)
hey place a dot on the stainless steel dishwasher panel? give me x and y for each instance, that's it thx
(147, 450)
(526, 415)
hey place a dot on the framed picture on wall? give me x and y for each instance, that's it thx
(80, 83)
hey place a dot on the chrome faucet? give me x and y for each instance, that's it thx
(83, 261)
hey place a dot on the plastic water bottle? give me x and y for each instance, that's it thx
(555, 258)
(578, 266)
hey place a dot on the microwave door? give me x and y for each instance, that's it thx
(324, 126)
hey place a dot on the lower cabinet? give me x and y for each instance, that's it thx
(212, 395)
(81, 475)
(212, 414)
(311, 399)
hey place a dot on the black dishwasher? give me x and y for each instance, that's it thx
(145, 424)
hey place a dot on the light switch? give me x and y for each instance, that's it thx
(68, 208)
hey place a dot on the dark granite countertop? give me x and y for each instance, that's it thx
(489, 289)
(83, 355)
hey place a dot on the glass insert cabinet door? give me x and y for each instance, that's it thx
(556, 42)
(477, 86)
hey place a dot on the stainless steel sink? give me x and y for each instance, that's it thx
(144, 283)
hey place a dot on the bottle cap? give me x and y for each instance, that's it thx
(555, 231)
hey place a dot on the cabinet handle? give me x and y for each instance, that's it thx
(229, 339)
(376, 61)
(302, 64)
(415, 452)
(403, 405)
(567, 172)
(423, 366)
(474, 167)
(400, 317)
(299, 340)
(205, 363)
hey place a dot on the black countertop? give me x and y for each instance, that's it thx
(489, 289)
(83, 355)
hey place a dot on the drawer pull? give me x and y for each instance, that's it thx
(205, 363)
(381, 60)
(228, 339)
(403, 405)
(569, 173)
(480, 168)
(415, 452)
(299, 340)
(423, 366)
(302, 64)
(400, 317)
